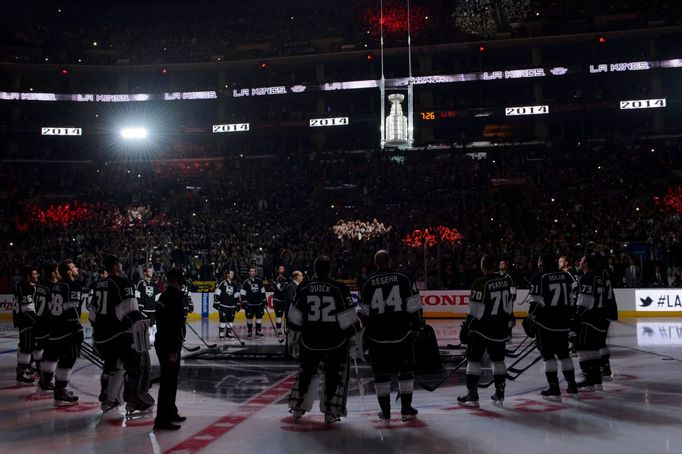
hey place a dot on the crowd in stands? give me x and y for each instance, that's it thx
(604, 197)
(178, 33)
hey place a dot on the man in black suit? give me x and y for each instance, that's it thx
(170, 321)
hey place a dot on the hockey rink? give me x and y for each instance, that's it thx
(236, 403)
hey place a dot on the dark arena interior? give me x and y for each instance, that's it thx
(519, 162)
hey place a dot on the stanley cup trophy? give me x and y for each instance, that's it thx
(396, 122)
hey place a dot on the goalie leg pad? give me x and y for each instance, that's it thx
(337, 373)
(140, 330)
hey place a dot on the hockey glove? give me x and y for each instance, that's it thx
(78, 335)
(511, 324)
(529, 327)
(190, 306)
(464, 333)
(216, 306)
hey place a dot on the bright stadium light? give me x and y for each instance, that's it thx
(134, 133)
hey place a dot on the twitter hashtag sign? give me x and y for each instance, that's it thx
(654, 300)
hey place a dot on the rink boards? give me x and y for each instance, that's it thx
(645, 302)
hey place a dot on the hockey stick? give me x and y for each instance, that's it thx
(529, 347)
(521, 356)
(191, 349)
(519, 371)
(432, 388)
(516, 371)
(511, 352)
(201, 338)
(87, 352)
(234, 333)
(279, 339)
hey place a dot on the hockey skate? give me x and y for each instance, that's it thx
(589, 386)
(469, 400)
(259, 334)
(408, 414)
(606, 374)
(498, 399)
(228, 335)
(572, 390)
(108, 405)
(553, 394)
(64, 398)
(138, 407)
(24, 378)
(249, 335)
(44, 387)
(297, 413)
(384, 418)
(330, 418)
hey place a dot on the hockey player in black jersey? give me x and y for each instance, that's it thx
(487, 328)
(322, 319)
(279, 299)
(253, 301)
(66, 334)
(226, 302)
(592, 323)
(392, 308)
(187, 303)
(147, 293)
(25, 319)
(43, 317)
(611, 314)
(121, 337)
(551, 309)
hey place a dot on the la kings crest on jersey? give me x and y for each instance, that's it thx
(227, 294)
(253, 292)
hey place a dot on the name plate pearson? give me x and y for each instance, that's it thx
(642, 104)
(526, 110)
(235, 127)
(52, 131)
(321, 122)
